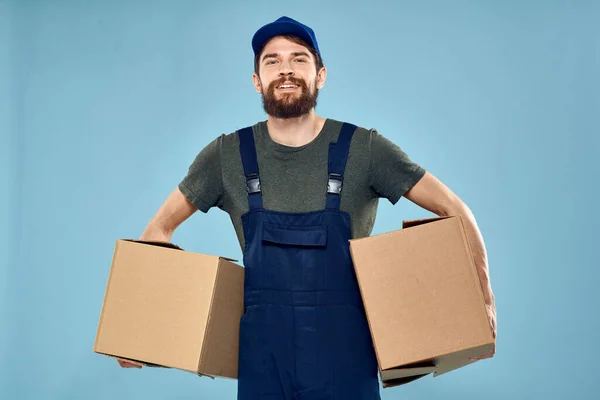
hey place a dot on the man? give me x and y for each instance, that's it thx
(297, 187)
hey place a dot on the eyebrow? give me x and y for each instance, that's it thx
(269, 55)
(295, 54)
(300, 53)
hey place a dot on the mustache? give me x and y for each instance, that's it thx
(282, 80)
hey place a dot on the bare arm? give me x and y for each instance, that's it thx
(172, 213)
(436, 197)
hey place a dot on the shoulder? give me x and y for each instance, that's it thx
(361, 135)
(232, 139)
(373, 138)
(370, 142)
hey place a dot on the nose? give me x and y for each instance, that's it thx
(285, 69)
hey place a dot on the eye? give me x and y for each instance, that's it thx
(302, 60)
(270, 62)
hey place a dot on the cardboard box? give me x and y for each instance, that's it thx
(172, 308)
(423, 299)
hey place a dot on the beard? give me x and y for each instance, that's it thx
(289, 105)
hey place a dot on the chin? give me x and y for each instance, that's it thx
(297, 93)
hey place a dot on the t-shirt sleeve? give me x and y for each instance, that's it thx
(392, 173)
(203, 184)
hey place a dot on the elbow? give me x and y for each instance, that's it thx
(455, 207)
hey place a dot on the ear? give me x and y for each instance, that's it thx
(321, 76)
(257, 83)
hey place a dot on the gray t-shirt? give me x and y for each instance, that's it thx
(294, 179)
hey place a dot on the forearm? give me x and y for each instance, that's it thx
(155, 233)
(176, 209)
(478, 250)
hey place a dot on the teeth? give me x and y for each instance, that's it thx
(287, 86)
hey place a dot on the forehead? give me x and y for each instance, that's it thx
(283, 46)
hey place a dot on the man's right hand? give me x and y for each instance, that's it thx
(127, 364)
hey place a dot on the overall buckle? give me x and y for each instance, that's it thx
(252, 184)
(334, 185)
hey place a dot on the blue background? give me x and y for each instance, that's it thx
(104, 104)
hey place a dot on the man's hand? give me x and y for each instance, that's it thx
(127, 364)
(491, 313)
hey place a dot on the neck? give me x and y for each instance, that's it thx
(295, 132)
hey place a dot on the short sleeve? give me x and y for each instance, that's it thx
(392, 173)
(203, 184)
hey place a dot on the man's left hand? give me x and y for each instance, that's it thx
(491, 313)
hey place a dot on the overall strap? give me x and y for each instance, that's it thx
(338, 155)
(250, 164)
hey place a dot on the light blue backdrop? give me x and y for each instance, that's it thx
(104, 104)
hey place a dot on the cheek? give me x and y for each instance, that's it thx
(266, 80)
(264, 85)
(311, 78)
(314, 81)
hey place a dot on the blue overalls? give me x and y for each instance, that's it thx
(304, 333)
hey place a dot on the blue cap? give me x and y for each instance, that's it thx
(284, 26)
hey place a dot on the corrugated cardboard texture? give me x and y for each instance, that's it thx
(423, 297)
(156, 305)
(220, 353)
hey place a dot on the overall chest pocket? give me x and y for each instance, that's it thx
(298, 236)
(295, 257)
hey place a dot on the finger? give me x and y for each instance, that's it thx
(126, 364)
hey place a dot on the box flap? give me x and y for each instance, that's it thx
(405, 374)
(398, 373)
(459, 359)
(401, 381)
(150, 365)
(155, 243)
(443, 364)
(415, 222)
(168, 245)
(137, 362)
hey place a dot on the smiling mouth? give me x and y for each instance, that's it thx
(288, 86)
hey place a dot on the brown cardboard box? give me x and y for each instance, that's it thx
(172, 308)
(423, 299)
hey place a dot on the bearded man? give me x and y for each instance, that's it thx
(297, 188)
